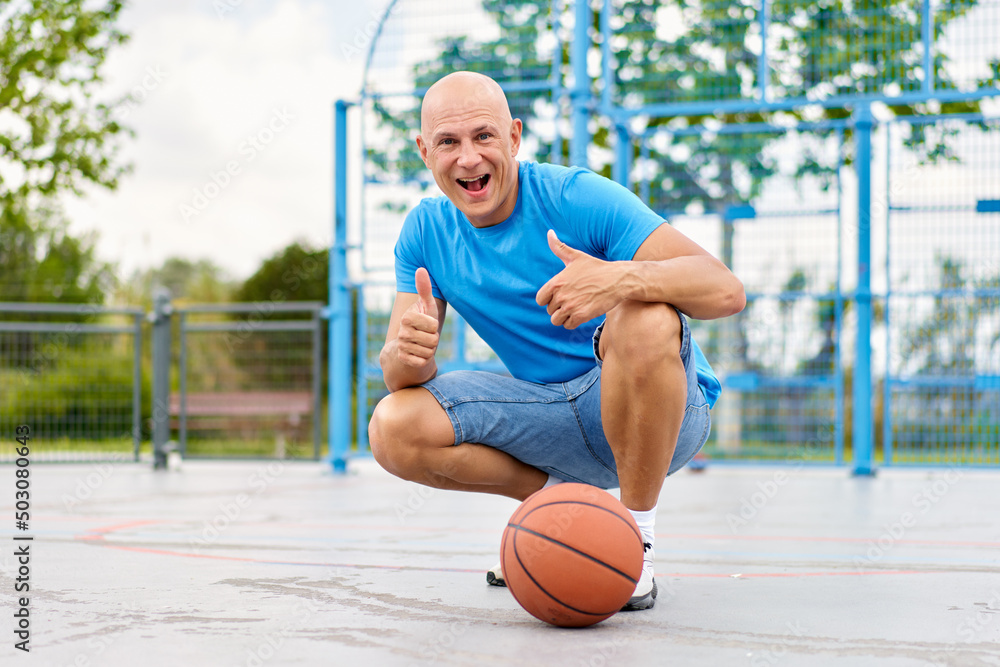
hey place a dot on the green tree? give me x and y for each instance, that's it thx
(41, 261)
(55, 137)
(826, 49)
(190, 280)
(295, 273)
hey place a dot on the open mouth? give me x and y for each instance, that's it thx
(474, 184)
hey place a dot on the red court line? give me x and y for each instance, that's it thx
(683, 536)
(770, 575)
(99, 533)
(797, 538)
(367, 566)
(97, 536)
(694, 536)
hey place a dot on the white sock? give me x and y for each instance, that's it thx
(552, 481)
(646, 520)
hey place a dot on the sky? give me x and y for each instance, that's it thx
(233, 153)
(232, 106)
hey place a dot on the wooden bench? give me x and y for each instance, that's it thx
(247, 412)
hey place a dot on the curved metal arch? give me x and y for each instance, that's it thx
(371, 47)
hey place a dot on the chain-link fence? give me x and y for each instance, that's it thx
(74, 375)
(783, 136)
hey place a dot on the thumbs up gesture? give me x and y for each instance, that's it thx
(586, 288)
(418, 336)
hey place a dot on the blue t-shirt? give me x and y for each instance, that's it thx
(490, 276)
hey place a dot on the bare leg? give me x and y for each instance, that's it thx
(643, 396)
(412, 437)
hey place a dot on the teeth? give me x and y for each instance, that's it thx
(470, 180)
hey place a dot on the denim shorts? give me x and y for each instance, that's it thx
(557, 427)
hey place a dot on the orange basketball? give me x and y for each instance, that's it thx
(571, 555)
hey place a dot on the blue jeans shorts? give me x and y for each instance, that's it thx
(557, 427)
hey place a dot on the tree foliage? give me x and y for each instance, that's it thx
(295, 273)
(41, 261)
(55, 137)
(678, 51)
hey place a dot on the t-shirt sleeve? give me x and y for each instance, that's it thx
(410, 256)
(609, 220)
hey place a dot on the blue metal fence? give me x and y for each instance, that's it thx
(942, 301)
(764, 130)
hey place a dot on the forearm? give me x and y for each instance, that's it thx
(698, 285)
(398, 375)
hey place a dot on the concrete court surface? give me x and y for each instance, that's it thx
(284, 563)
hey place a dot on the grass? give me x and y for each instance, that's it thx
(121, 449)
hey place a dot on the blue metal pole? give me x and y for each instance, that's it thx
(606, 56)
(863, 444)
(361, 382)
(580, 95)
(623, 156)
(927, 36)
(340, 303)
(762, 66)
(838, 423)
(886, 384)
(555, 76)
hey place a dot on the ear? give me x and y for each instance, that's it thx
(422, 147)
(515, 137)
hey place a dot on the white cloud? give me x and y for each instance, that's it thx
(205, 85)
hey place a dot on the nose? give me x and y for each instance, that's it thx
(468, 156)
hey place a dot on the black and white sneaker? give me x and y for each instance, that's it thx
(494, 576)
(645, 591)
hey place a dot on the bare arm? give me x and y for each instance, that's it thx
(407, 358)
(667, 268)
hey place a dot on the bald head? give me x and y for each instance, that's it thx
(463, 90)
(469, 142)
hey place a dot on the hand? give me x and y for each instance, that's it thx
(586, 288)
(418, 336)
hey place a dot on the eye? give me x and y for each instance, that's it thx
(484, 136)
(447, 142)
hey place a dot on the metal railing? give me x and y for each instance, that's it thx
(73, 373)
(755, 151)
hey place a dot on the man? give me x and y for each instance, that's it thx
(582, 292)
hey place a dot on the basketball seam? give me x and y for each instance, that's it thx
(542, 588)
(566, 546)
(583, 502)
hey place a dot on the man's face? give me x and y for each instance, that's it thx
(470, 145)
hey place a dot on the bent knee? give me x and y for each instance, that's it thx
(642, 332)
(403, 425)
